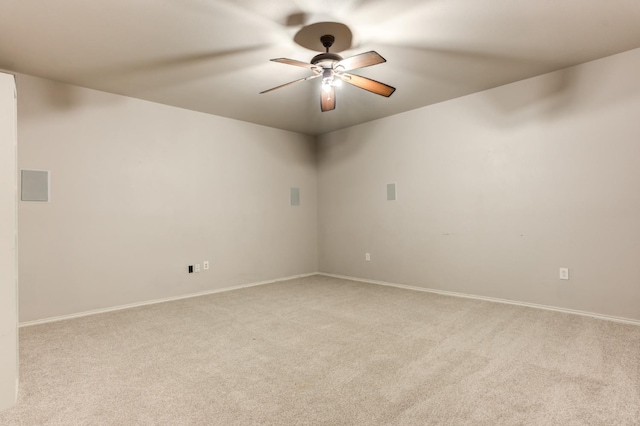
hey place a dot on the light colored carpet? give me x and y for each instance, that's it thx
(324, 351)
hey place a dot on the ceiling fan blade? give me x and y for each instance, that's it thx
(368, 84)
(328, 100)
(290, 83)
(294, 62)
(360, 61)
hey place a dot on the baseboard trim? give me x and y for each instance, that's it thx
(155, 301)
(488, 299)
(344, 277)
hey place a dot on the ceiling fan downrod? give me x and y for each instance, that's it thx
(326, 59)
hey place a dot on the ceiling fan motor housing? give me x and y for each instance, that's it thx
(326, 59)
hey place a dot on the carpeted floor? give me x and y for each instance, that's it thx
(324, 351)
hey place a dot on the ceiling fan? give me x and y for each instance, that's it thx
(333, 71)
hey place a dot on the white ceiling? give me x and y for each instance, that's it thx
(213, 55)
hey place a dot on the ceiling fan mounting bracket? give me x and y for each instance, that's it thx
(327, 41)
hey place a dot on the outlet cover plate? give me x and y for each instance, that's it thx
(564, 273)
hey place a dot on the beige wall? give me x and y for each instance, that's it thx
(141, 190)
(8, 269)
(496, 191)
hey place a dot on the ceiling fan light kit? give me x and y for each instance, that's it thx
(332, 69)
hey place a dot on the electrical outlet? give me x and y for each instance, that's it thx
(197, 267)
(205, 265)
(190, 269)
(367, 257)
(564, 273)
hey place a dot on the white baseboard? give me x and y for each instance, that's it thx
(489, 299)
(363, 280)
(154, 301)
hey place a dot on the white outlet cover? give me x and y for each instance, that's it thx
(367, 257)
(205, 264)
(564, 273)
(197, 269)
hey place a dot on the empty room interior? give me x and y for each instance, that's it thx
(356, 212)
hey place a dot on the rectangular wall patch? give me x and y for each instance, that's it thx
(294, 196)
(391, 192)
(35, 185)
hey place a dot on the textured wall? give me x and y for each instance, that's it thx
(141, 190)
(496, 191)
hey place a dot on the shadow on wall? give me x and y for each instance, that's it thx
(57, 96)
(41, 97)
(545, 95)
(548, 94)
(556, 95)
